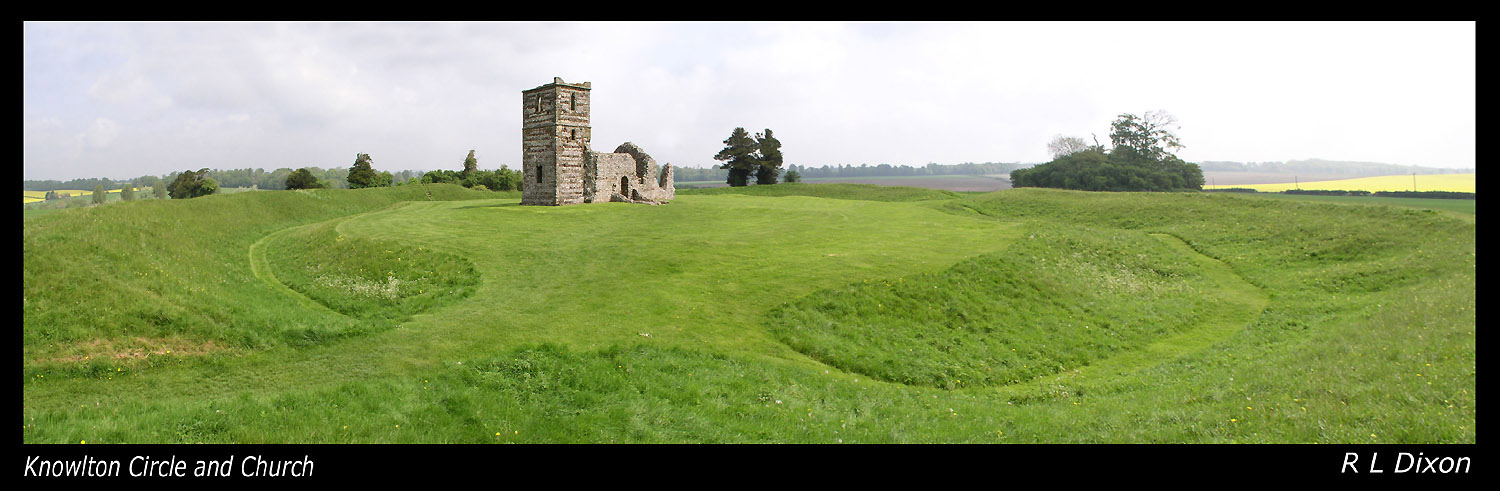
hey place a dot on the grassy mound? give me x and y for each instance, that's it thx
(1060, 298)
(1371, 321)
(868, 192)
(368, 279)
(176, 269)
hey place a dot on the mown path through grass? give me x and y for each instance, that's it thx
(261, 268)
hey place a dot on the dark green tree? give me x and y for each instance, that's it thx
(191, 184)
(99, 194)
(471, 164)
(440, 176)
(792, 176)
(362, 175)
(739, 157)
(506, 180)
(302, 179)
(1148, 136)
(127, 192)
(769, 158)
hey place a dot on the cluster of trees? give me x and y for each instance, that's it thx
(191, 184)
(744, 156)
(303, 179)
(474, 178)
(362, 174)
(1141, 159)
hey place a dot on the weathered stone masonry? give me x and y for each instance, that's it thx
(561, 169)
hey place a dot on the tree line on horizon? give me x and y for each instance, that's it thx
(360, 175)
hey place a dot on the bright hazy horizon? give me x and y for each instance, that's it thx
(126, 99)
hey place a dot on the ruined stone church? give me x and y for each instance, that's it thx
(561, 169)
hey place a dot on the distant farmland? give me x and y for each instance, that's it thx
(947, 183)
(35, 196)
(1426, 182)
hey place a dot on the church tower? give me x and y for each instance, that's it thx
(554, 140)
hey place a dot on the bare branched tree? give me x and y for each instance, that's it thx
(1064, 145)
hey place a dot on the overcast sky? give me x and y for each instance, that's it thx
(122, 100)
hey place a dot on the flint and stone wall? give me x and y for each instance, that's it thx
(554, 138)
(560, 169)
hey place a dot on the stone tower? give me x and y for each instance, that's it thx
(554, 140)
(558, 166)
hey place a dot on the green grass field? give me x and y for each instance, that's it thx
(813, 313)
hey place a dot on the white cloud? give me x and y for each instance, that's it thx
(420, 95)
(100, 134)
(43, 124)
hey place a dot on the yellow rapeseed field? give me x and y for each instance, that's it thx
(1424, 182)
(35, 196)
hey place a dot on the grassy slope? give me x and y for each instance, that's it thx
(175, 270)
(1369, 336)
(618, 322)
(1063, 297)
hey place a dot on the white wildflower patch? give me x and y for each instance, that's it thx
(360, 287)
(1119, 278)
